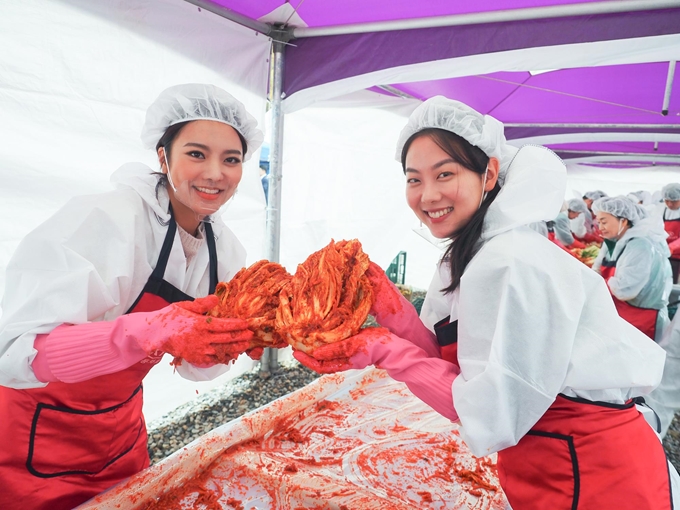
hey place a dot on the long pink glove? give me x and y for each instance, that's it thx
(394, 312)
(428, 378)
(75, 353)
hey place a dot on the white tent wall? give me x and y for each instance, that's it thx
(341, 181)
(618, 181)
(76, 78)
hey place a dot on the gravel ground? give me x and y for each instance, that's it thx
(245, 393)
(671, 442)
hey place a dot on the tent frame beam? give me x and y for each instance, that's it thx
(607, 153)
(669, 88)
(258, 26)
(531, 13)
(590, 126)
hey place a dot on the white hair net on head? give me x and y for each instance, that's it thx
(594, 195)
(671, 191)
(197, 101)
(578, 205)
(642, 196)
(621, 207)
(480, 130)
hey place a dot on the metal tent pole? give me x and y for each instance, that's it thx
(669, 87)
(269, 362)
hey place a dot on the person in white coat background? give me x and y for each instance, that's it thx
(100, 291)
(634, 262)
(517, 340)
(670, 213)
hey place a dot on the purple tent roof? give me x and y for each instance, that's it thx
(626, 98)
(624, 94)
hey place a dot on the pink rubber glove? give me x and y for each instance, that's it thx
(429, 379)
(75, 353)
(394, 312)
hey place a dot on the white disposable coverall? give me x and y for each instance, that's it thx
(90, 261)
(665, 399)
(533, 322)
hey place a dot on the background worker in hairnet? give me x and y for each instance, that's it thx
(590, 196)
(634, 262)
(581, 221)
(518, 340)
(99, 292)
(670, 212)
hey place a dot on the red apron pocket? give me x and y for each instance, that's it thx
(540, 472)
(67, 441)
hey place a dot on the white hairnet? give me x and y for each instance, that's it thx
(578, 205)
(197, 101)
(480, 130)
(671, 191)
(621, 207)
(594, 195)
(645, 197)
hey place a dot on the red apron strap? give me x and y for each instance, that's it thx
(447, 338)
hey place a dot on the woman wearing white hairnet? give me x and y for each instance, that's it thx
(582, 225)
(671, 218)
(634, 262)
(518, 340)
(99, 292)
(590, 196)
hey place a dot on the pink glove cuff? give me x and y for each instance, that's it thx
(76, 353)
(429, 379)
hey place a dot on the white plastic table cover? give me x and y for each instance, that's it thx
(357, 440)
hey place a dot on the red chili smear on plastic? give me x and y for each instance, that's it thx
(235, 504)
(289, 437)
(172, 499)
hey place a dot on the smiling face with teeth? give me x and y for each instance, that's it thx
(205, 161)
(441, 192)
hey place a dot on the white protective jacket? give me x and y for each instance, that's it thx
(533, 322)
(90, 261)
(665, 399)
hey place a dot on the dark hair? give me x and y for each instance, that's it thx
(172, 132)
(465, 240)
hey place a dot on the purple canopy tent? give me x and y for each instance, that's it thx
(593, 80)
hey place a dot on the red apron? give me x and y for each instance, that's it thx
(673, 229)
(65, 443)
(580, 454)
(642, 318)
(588, 455)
